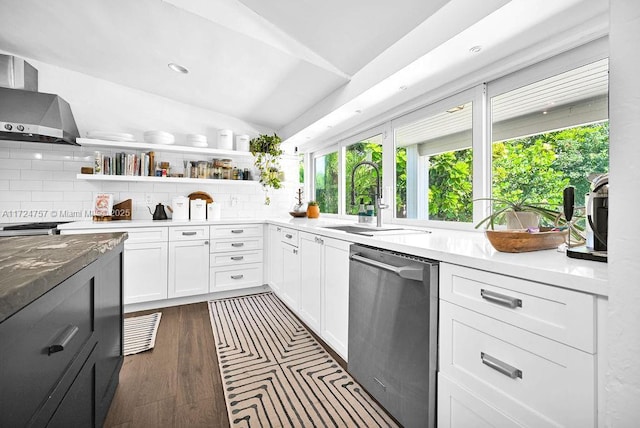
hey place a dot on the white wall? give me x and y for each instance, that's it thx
(38, 181)
(623, 377)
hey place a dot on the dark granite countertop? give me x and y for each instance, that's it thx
(32, 265)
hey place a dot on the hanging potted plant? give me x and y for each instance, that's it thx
(266, 151)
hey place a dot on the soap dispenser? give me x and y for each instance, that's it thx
(362, 212)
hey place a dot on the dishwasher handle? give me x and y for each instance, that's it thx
(414, 272)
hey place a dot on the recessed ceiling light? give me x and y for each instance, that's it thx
(178, 68)
(475, 49)
(403, 88)
(358, 111)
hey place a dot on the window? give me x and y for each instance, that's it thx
(364, 179)
(326, 182)
(528, 134)
(434, 165)
(551, 134)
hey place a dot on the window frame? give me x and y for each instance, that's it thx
(480, 95)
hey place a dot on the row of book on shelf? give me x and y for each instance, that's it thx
(142, 164)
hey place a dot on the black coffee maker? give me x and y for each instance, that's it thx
(597, 213)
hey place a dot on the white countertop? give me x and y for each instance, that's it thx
(471, 249)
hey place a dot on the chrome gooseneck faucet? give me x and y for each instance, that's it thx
(378, 195)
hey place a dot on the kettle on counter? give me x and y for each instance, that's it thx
(160, 213)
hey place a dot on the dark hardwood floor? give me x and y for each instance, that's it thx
(177, 384)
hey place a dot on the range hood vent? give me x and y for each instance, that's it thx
(28, 115)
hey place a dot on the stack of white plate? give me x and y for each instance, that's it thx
(110, 136)
(197, 140)
(159, 137)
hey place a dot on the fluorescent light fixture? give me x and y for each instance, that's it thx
(178, 68)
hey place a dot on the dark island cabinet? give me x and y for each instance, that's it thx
(60, 356)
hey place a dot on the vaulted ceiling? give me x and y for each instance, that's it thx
(281, 64)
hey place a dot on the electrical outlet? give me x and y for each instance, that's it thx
(234, 201)
(147, 198)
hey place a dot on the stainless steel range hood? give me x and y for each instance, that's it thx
(27, 115)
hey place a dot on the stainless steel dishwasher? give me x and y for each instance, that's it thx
(393, 317)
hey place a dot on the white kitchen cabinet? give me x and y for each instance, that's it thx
(290, 286)
(515, 352)
(274, 258)
(145, 271)
(188, 260)
(235, 259)
(335, 295)
(311, 254)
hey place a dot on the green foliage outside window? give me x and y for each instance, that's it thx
(539, 167)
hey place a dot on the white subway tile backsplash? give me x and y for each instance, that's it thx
(46, 165)
(36, 177)
(78, 196)
(10, 174)
(64, 175)
(12, 196)
(114, 186)
(14, 164)
(47, 196)
(57, 185)
(22, 185)
(30, 174)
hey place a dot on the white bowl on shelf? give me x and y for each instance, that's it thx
(159, 137)
(197, 140)
(111, 136)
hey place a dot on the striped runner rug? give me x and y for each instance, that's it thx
(140, 333)
(275, 374)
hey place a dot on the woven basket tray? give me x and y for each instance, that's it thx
(520, 241)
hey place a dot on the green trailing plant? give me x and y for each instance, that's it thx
(312, 204)
(267, 152)
(553, 218)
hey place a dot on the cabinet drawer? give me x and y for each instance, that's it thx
(562, 315)
(240, 244)
(248, 275)
(236, 231)
(188, 233)
(147, 234)
(290, 236)
(236, 258)
(511, 366)
(40, 343)
(460, 408)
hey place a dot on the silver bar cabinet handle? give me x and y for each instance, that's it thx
(237, 276)
(63, 339)
(189, 233)
(237, 258)
(288, 236)
(237, 231)
(501, 299)
(500, 366)
(237, 244)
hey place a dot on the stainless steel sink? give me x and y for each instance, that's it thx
(373, 231)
